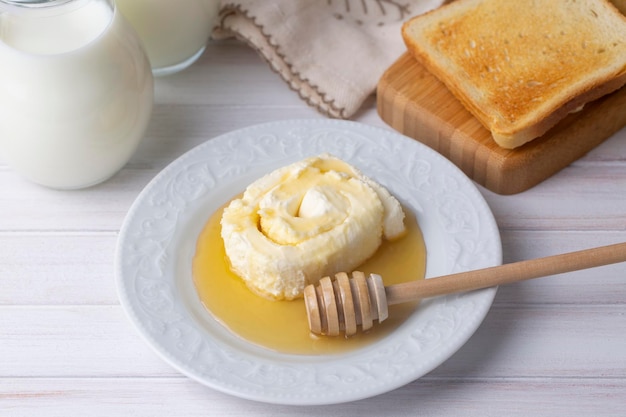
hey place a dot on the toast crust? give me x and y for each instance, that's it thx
(520, 67)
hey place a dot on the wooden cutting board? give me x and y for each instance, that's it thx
(414, 102)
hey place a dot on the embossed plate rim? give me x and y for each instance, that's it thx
(157, 240)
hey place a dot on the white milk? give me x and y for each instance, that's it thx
(76, 93)
(174, 33)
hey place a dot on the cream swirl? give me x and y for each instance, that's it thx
(310, 219)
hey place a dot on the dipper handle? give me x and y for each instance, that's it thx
(346, 303)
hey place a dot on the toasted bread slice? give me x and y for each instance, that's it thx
(620, 4)
(521, 66)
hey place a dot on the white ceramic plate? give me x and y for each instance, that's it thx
(158, 238)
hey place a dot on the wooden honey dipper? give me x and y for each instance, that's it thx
(343, 304)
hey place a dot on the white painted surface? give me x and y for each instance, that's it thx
(548, 347)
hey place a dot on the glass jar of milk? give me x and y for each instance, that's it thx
(174, 33)
(76, 90)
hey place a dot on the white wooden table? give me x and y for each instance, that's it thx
(551, 347)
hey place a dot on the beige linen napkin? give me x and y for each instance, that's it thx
(332, 52)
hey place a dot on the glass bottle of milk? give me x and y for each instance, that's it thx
(76, 90)
(174, 33)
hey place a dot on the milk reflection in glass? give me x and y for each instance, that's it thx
(174, 33)
(76, 91)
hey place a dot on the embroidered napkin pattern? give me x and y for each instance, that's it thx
(331, 52)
